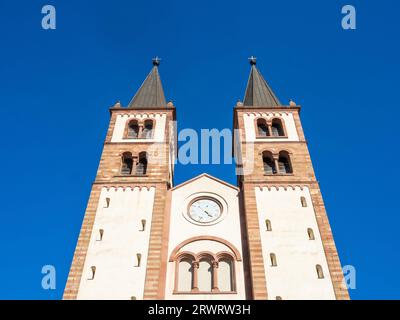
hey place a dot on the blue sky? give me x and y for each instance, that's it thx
(56, 87)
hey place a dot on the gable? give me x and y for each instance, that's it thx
(203, 179)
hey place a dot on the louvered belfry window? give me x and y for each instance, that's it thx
(277, 128)
(141, 167)
(285, 166)
(133, 129)
(262, 128)
(269, 163)
(127, 163)
(147, 132)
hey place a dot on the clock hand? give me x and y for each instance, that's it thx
(207, 213)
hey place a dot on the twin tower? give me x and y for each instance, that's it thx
(142, 237)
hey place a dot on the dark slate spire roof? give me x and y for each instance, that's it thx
(258, 92)
(150, 93)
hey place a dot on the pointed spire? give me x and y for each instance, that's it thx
(150, 93)
(258, 92)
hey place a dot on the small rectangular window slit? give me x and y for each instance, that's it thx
(143, 221)
(101, 233)
(273, 260)
(310, 234)
(320, 272)
(268, 225)
(107, 203)
(138, 259)
(93, 272)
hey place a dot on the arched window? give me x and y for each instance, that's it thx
(143, 221)
(92, 272)
(285, 166)
(269, 163)
(107, 203)
(303, 202)
(310, 233)
(205, 272)
(205, 275)
(185, 274)
(127, 163)
(262, 128)
(225, 274)
(133, 129)
(268, 225)
(138, 259)
(147, 132)
(272, 256)
(277, 128)
(141, 167)
(101, 233)
(320, 273)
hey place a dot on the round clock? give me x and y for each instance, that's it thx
(205, 210)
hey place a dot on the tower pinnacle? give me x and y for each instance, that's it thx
(156, 61)
(151, 93)
(258, 92)
(252, 60)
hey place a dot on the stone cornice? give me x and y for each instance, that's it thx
(264, 183)
(149, 110)
(267, 109)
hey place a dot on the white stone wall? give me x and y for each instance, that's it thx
(123, 119)
(286, 117)
(227, 228)
(295, 275)
(117, 276)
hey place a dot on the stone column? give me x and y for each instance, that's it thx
(215, 277)
(269, 125)
(276, 160)
(195, 266)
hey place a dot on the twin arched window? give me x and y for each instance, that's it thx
(205, 274)
(129, 162)
(273, 128)
(140, 130)
(277, 164)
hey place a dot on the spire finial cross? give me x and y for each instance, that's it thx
(156, 61)
(253, 60)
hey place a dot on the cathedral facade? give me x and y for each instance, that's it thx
(268, 237)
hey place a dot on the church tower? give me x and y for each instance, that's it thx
(118, 255)
(291, 251)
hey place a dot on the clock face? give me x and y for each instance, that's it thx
(205, 210)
